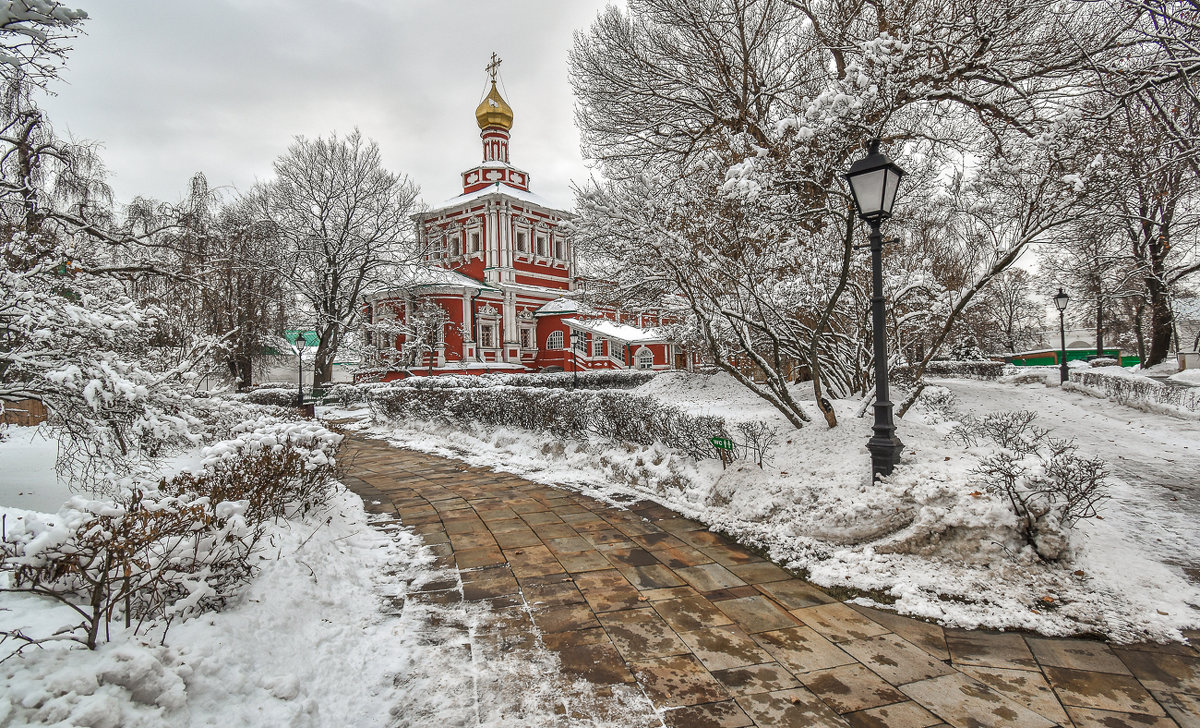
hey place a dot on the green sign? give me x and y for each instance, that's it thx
(722, 443)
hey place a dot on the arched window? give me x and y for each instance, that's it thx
(554, 340)
(644, 358)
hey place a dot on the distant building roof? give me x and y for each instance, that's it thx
(496, 189)
(563, 305)
(620, 332)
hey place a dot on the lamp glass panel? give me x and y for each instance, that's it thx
(868, 190)
(889, 191)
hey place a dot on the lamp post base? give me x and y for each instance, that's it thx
(885, 454)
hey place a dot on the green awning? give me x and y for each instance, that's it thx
(310, 337)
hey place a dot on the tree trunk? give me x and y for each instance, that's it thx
(1099, 327)
(1161, 323)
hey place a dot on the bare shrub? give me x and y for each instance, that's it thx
(171, 551)
(1046, 483)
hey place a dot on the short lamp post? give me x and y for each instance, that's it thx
(301, 342)
(1060, 302)
(874, 180)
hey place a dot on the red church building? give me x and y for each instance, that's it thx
(501, 271)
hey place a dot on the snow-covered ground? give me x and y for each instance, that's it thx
(326, 635)
(929, 541)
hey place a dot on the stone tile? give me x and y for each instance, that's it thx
(569, 545)
(720, 648)
(730, 555)
(655, 576)
(640, 634)
(896, 660)
(839, 623)
(567, 618)
(564, 640)
(629, 556)
(964, 702)
(533, 561)
(656, 541)
(583, 561)
(989, 649)
(792, 708)
(681, 556)
(677, 592)
(928, 637)
(898, 715)
(751, 679)
(555, 530)
(597, 663)
(539, 518)
(608, 590)
(464, 525)
(1089, 718)
(1077, 654)
(1026, 687)
(1101, 690)
(690, 613)
(709, 577)
(677, 525)
(474, 558)
(463, 541)
(601, 536)
(1163, 671)
(553, 594)
(488, 583)
(795, 594)
(678, 680)
(725, 714)
(759, 573)
(507, 526)
(800, 649)
(756, 613)
(517, 539)
(850, 687)
(1184, 709)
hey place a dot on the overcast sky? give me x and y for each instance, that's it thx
(172, 87)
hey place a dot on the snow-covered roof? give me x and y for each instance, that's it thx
(613, 330)
(497, 189)
(562, 305)
(423, 276)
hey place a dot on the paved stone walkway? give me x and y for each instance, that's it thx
(722, 637)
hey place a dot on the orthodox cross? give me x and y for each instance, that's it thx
(494, 66)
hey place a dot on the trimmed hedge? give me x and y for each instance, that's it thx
(607, 379)
(1137, 391)
(980, 369)
(569, 415)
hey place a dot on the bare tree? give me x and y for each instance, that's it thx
(344, 222)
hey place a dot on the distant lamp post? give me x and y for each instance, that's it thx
(874, 180)
(1060, 302)
(301, 342)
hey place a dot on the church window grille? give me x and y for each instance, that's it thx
(645, 359)
(521, 245)
(487, 336)
(474, 242)
(560, 250)
(597, 347)
(526, 338)
(554, 340)
(541, 245)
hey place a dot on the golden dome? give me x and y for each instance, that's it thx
(494, 111)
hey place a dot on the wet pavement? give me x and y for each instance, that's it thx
(714, 635)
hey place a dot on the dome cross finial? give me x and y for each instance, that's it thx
(494, 66)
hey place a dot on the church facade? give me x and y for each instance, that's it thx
(499, 290)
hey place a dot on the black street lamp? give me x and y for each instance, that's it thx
(873, 183)
(301, 342)
(1060, 302)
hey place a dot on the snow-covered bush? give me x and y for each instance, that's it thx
(604, 379)
(975, 369)
(174, 550)
(1134, 390)
(273, 396)
(1104, 361)
(569, 415)
(1048, 486)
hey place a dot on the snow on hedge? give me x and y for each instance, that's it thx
(1135, 390)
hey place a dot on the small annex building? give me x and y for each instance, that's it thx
(501, 271)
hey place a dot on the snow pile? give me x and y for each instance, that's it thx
(929, 541)
(1187, 376)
